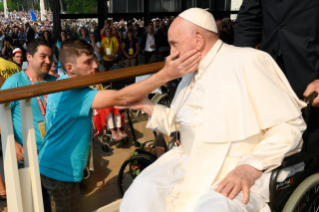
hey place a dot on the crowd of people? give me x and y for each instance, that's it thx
(132, 40)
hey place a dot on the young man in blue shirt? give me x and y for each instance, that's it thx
(64, 153)
(39, 56)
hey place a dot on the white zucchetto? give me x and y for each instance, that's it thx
(201, 18)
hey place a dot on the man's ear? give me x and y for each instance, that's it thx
(199, 39)
(69, 67)
(29, 57)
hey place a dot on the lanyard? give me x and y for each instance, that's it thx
(149, 40)
(44, 105)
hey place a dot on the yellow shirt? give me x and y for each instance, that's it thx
(109, 47)
(8, 68)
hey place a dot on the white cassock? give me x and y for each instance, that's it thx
(238, 108)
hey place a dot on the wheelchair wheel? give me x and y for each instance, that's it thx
(162, 100)
(155, 97)
(305, 197)
(106, 147)
(131, 168)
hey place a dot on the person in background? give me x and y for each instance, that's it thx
(119, 35)
(47, 37)
(129, 27)
(149, 43)
(85, 34)
(97, 49)
(222, 34)
(107, 24)
(7, 69)
(109, 47)
(135, 29)
(17, 57)
(156, 26)
(52, 71)
(22, 37)
(58, 45)
(7, 48)
(30, 33)
(130, 49)
(163, 40)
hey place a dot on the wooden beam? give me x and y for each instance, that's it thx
(77, 82)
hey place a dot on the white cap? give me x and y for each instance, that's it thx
(17, 50)
(201, 18)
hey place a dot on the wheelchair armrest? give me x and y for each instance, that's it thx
(303, 156)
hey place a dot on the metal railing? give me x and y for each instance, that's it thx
(23, 186)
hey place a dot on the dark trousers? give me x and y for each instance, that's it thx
(46, 199)
(65, 195)
(148, 56)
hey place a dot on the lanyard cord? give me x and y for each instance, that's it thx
(44, 105)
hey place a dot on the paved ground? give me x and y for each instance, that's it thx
(101, 187)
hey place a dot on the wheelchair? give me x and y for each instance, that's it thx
(106, 139)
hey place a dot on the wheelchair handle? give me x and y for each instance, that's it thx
(311, 97)
(309, 101)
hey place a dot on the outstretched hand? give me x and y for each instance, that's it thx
(241, 178)
(180, 67)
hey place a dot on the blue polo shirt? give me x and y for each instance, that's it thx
(65, 149)
(19, 80)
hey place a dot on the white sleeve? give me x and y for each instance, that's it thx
(276, 143)
(162, 120)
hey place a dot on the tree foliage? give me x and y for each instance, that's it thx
(26, 5)
(80, 6)
(70, 6)
(36, 6)
(1, 6)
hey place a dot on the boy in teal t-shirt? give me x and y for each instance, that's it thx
(64, 152)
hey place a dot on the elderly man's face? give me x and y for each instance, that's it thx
(179, 37)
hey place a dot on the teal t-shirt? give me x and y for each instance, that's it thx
(68, 122)
(19, 80)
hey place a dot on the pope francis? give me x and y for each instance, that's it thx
(238, 117)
